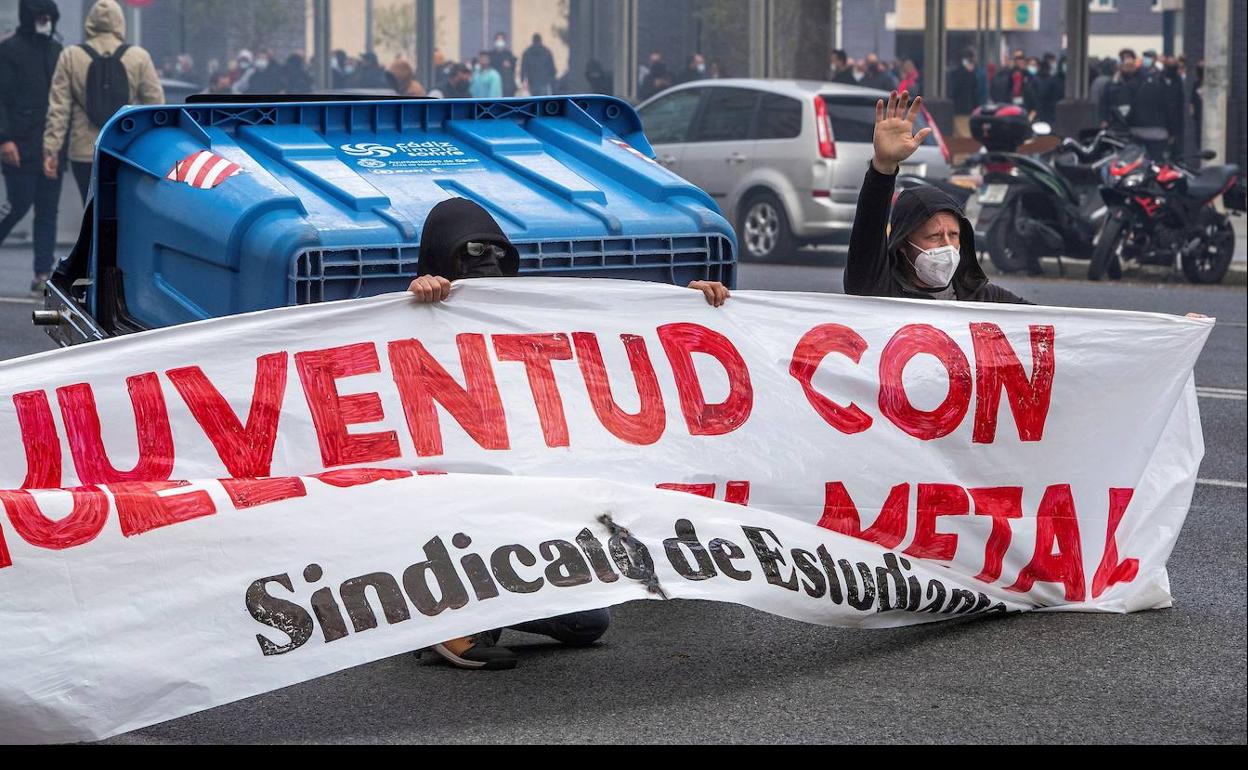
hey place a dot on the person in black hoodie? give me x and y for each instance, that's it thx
(929, 250)
(461, 240)
(27, 61)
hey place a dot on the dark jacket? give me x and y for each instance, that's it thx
(1150, 99)
(449, 226)
(537, 66)
(845, 76)
(964, 90)
(1002, 89)
(872, 268)
(880, 79)
(27, 62)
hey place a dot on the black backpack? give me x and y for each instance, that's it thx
(108, 86)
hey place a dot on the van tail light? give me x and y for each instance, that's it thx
(823, 130)
(940, 138)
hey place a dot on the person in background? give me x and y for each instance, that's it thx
(964, 92)
(657, 81)
(504, 62)
(643, 71)
(370, 74)
(27, 60)
(1048, 88)
(695, 69)
(267, 77)
(859, 72)
(876, 75)
(842, 67)
(601, 81)
(537, 68)
(459, 82)
(911, 78)
(296, 76)
(1012, 85)
(1105, 72)
(67, 98)
(403, 75)
(926, 249)
(486, 82)
(1146, 102)
(220, 84)
(242, 71)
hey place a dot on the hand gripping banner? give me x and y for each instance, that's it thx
(199, 514)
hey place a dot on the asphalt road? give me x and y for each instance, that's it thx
(715, 673)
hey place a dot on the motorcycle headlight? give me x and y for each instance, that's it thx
(1133, 180)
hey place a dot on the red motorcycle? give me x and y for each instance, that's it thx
(1164, 215)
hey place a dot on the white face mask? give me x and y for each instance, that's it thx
(935, 267)
(44, 29)
(859, 74)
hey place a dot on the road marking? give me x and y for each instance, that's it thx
(1229, 394)
(20, 300)
(1239, 324)
(1222, 483)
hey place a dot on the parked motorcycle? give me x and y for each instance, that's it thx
(1031, 208)
(1163, 214)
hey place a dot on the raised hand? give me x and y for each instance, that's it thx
(895, 139)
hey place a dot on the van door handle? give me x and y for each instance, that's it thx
(737, 157)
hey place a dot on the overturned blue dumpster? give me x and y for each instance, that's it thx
(205, 210)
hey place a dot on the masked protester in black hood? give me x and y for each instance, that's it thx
(928, 252)
(461, 240)
(27, 61)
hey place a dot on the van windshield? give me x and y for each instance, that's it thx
(853, 119)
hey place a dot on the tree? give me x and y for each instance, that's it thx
(394, 29)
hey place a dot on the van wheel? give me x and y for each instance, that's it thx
(763, 230)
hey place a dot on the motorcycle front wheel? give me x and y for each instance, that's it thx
(1209, 262)
(1105, 253)
(1005, 248)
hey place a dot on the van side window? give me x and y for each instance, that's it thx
(727, 115)
(779, 117)
(666, 120)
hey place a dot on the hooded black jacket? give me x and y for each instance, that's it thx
(27, 62)
(875, 248)
(453, 223)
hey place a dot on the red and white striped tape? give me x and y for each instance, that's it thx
(203, 170)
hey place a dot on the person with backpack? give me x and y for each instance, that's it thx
(91, 82)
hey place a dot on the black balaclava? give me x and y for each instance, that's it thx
(450, 226)
(29, 10)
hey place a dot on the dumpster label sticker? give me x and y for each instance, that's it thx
(631, 150)
(203, 170)
(429, 157)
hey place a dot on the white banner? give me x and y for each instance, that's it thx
(955, 457)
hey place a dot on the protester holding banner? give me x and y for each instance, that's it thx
(462, 240)
(928, 252)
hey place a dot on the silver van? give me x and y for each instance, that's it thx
(783, 158)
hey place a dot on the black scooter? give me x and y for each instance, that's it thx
(1030, 208)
